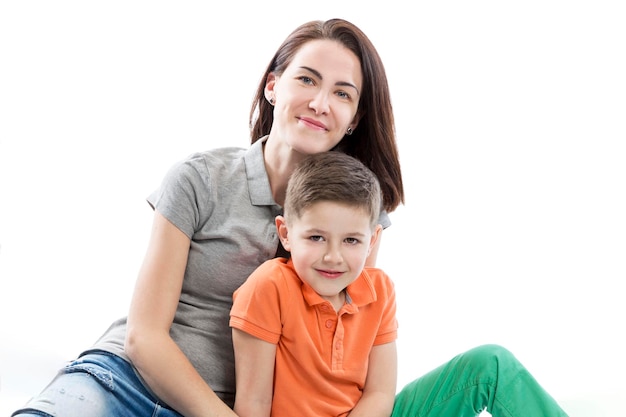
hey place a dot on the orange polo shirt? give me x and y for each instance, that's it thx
(321, 355)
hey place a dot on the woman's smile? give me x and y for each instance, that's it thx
(312, 123)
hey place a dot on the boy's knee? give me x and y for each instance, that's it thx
(489, 353)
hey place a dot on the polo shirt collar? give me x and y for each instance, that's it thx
(258, 182)
(362, 291)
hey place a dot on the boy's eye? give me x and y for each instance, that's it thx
(352, 240)
(316, 238)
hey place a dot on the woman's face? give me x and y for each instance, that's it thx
(316, 97)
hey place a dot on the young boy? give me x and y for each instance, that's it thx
(314, 335)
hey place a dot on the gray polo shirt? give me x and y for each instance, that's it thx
(221, 199)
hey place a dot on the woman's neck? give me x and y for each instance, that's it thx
(280, 161)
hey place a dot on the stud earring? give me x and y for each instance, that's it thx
(349, 131)
(272, 101)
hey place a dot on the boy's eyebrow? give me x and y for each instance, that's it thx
(315, 230)
(341, 83)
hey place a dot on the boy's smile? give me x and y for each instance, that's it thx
(329, 244)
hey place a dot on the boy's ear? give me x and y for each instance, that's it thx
(375, 236)
(283, 232)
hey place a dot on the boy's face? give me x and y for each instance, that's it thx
(329, 244)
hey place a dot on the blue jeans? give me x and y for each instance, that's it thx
(98, 384)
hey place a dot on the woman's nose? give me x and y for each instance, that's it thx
(320, 103)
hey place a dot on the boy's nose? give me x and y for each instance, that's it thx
(332, 255)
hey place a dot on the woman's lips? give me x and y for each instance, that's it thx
(315, 124)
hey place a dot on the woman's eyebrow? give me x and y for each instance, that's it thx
(341, 83)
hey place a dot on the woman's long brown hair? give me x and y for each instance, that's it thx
(373, 141)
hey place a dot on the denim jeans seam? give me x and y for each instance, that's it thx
(104, 377)
(32, 411)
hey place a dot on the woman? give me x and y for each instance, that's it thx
(325, 88)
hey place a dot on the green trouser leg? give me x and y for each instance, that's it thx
(488, 378)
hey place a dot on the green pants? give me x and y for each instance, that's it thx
(488, 378)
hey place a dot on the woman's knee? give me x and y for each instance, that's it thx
(86, 386)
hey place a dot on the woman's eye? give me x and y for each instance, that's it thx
(343, 94)
(306, 80)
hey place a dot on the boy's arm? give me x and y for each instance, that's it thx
(254, 370)
(380, 385)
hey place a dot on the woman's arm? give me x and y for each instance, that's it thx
(161, 363)
(380, 385)
(254, 370)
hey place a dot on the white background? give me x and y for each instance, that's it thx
(511, 121)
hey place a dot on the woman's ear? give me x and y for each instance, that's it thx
(283, 232)
(270, 82)
(356, 120)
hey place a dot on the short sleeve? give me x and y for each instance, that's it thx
(183, 189)
(388, 330)
(257, 304)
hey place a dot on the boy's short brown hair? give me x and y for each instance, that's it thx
(335, 177)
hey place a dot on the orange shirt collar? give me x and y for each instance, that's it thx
(361, 292)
